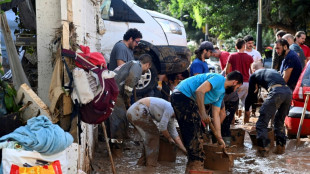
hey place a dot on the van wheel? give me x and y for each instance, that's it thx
(147, 82)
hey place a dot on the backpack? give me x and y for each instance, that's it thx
(101, 107)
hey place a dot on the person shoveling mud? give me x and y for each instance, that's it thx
(188, 101)
(277, 103)
(141, 115)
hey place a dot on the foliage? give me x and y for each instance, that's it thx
(9, 94)
(227, 18)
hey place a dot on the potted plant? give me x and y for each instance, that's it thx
(9, 109)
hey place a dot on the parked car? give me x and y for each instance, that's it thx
(293, 118)
(213, 65)
(164, 38)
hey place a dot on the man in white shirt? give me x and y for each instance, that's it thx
(250, 50)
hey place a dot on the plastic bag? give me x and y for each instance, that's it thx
(53, 168)
(20, 157)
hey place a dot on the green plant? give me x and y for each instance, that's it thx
(9, 94)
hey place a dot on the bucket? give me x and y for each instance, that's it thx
(237, 137)
(167, 151)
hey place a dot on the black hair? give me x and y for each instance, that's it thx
(281, 33)
(283, 42)
(145, 58)
(185, 74)
(132, 32)
(235, 75)
(198, 53)
(248, 38)
(239, 43)
(299, 33)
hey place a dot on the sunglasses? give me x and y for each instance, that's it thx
(137, 42)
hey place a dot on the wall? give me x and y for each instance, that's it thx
(48, 21)
(51, 15)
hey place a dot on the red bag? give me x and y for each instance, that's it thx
(101, 107)
(95, 58)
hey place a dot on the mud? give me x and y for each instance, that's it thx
(295, 160)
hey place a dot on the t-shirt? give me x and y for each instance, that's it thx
(255, 55)
(291, 60)
(306, 50)
(299, 51)
(189, 86)
(162, 111)
(264, 78)
(120, 52)
(199, 67)
(242, 63)
(223, 59)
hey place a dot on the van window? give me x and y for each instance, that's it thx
(306, 77)
(117, 10)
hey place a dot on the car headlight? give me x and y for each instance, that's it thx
(169, 26)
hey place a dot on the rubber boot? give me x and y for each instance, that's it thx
(116, 150)
(246, 119)
(280, 148)
(263, 147)
(194, 166)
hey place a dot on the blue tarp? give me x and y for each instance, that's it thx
(41, 135)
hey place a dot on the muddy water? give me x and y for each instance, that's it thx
(293, 161)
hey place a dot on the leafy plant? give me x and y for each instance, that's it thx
(9, 94)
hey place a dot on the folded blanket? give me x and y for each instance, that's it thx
(41, 135)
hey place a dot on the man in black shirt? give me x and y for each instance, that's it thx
(277, 103)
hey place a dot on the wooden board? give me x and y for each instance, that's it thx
(38, 107)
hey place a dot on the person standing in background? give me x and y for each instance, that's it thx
(199, 65)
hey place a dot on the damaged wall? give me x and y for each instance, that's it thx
(84, 19)
(48, 21)
(51, 15)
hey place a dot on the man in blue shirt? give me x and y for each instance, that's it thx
(291, 66)
(204, 52)
(188, 101)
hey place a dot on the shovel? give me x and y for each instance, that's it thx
(302, 118)
(217, 136)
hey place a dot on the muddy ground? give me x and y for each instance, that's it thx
(295, 160)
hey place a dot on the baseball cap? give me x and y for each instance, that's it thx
(207, 45)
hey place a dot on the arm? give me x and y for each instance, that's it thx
(132, 79)
(227, 68)
(200, 94)
(120, 62)
(217, 124)
(222, 114)
(275, 60)
(287, 74)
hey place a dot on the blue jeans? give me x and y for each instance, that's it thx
(277, 103)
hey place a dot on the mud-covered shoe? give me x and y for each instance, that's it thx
(194, 166)
(279, 149)
(263, 151)
(246, 119)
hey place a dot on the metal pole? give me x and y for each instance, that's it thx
(259, 28)
(207, 33)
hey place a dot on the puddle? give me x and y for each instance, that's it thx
(295, 161)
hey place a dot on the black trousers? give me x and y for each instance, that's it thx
(186, 111)
(277, 103)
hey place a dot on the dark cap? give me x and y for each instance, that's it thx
(207, 45)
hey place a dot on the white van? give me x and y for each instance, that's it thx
(164, 38)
